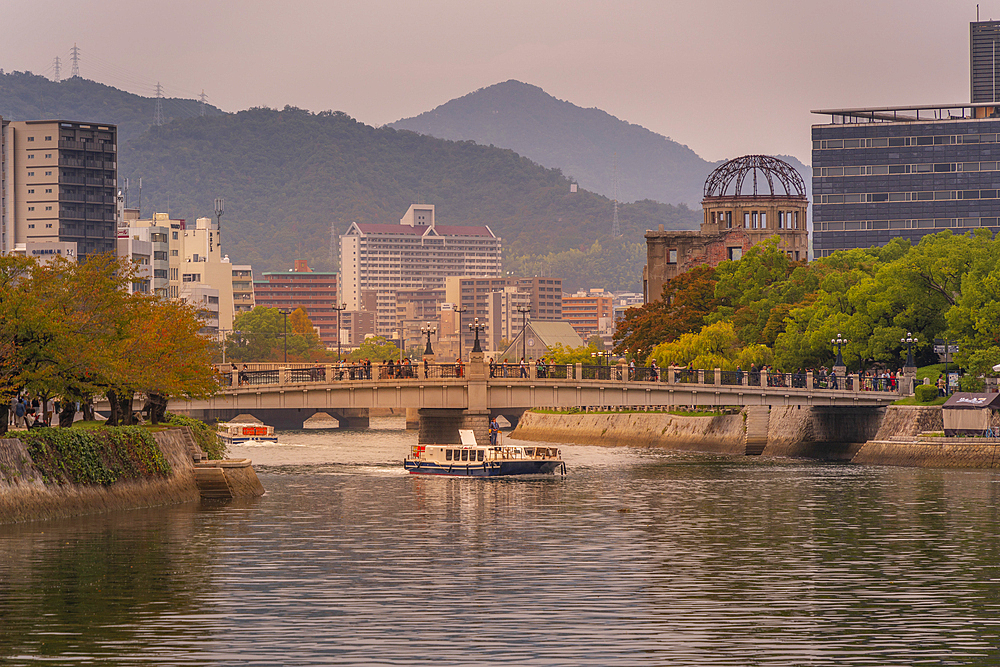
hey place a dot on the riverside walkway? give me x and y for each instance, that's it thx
(473, 389)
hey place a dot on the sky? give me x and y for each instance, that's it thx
(724, 77)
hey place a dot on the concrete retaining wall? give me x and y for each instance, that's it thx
(924, 455)
(722, 434)
(25, 497)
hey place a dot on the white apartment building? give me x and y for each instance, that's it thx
(187, 263)
(417, 253)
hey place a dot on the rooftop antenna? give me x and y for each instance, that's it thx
(158, 116)
(220, 208)
(616, 229)
(57, 77)
(140, 197)
(202, 97)
(75, 57)
(125, 191)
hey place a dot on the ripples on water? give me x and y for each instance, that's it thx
(635, 558)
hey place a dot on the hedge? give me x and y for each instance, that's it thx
(95, 456)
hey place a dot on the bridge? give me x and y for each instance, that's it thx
(449, 396)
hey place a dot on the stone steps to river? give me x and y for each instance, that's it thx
(755, 438)
(212, 482)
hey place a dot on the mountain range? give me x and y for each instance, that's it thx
(293, 180)
(588, 145)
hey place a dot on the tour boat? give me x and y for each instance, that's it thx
(241, 433)
(470, 459)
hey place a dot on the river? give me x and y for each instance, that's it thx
(636, 557)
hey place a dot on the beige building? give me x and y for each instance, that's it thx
(191, 257)
(738, 214)
(242, 289)
(58, 183)
(417, 253)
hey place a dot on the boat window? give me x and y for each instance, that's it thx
(447, 455)
(529, 451)
(481, 453)
(465, 454)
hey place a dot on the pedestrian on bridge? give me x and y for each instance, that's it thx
(524, 369)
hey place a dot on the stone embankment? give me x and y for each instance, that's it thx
(823, 433)
(903, 440)
(26, 496)
(896, 435)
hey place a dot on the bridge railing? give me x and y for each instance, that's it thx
(262, 375)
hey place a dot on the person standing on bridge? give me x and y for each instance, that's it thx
(524, 369)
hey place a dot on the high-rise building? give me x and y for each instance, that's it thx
(242, 288)
(881, 173)
(313, 291)
(417, 253)
(59, 182)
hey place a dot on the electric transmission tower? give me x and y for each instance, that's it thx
(203, 97)
(158, 117)
(616, 228)
(57, 69)
(75, 57)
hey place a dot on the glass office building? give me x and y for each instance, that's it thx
(886, 173)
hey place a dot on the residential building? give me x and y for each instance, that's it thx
(187, 263)
(739, 214)
(242, 289)
(58, 184)
(474, 295)
(418, 253)
(881, 173)
(539, 339)
(355, 326)
(314, 291)
(590, 313)
(140, 253)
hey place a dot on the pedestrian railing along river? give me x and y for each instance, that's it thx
(264, 375)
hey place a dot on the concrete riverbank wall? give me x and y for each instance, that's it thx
(26, 496)
(824, 433)
(885, 436)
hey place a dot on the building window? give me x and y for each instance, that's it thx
(48, 190)
(48, 225)
(175, 236)
(31, 226)
(31, 138)
(31, 157)
(31, 173)
(31, 191)
(31, 208)
(763, 219)
(48, 155)
(672, 256)
(746, 219)
(48, 138)
(735, 254)
(48, 173)
(48, 208)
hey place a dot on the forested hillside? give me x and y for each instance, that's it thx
(583, 143)
(291, 178)
(26, 96)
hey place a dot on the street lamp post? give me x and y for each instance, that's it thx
(840, 342)
(339, 308)
(910, 341)
(458, 328)
(428, 329)
(524, 330)
(286, 313)
(476, 327)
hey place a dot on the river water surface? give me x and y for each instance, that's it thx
(636, 557)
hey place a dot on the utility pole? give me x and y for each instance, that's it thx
(339, 308)
(524, 331)
(57, 69)
(75, 57)
(202, 97)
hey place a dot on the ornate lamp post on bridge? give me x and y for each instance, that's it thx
(477, 327)
(286, 312)
(839, 367)
(339, 308)
(428, 329)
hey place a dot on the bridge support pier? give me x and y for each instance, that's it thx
(440, 426)
(412, 419)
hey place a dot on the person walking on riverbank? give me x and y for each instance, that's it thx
(19, 413)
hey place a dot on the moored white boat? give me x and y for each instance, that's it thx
(473, 460)
(241, 433)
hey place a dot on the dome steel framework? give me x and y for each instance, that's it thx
(758, 168)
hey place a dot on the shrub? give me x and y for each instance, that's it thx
(206, 436)
(95, 456)
(972, 383)
(926, 393)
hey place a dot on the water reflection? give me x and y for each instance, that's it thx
(636, 557)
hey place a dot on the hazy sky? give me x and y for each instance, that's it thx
(726, 78)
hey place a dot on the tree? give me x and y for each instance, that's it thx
(715, 346)
(375, 348)
(682, 308)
